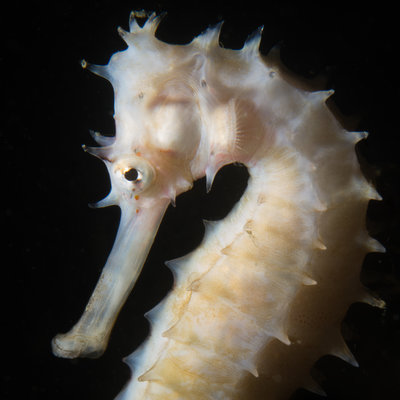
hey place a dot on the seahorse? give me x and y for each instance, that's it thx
(262, 297)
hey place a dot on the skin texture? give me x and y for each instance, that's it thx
(257, 304)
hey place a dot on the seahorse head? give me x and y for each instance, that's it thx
(158, 128)
(177, 119)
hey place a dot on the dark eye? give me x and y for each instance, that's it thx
(131, 174)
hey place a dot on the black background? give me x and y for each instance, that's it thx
(55, 246)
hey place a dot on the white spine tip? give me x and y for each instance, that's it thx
(100, 152)
(252, 44)
(152, 315)
(211, 171)
(307, 281)
(209, 182)
(124, 35)
(171, 195)
(284, 338)
(372, 300)
(210, 37)
(99, 70)
(254, 372)
(133, 25)
(357, 136)
(108, 201)
(328, 93)
(175, 265)
(249, 367)
(322, 96)
(374, 246)
(341, 350)
(319, 245)
(346, 355)
(101, 139)
(371, 193)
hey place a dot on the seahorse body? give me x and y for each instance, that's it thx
(262, 298)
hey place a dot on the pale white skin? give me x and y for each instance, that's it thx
(259, 301)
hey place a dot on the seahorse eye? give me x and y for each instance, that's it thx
(131, 174)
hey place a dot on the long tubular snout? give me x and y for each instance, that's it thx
(89, 336)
